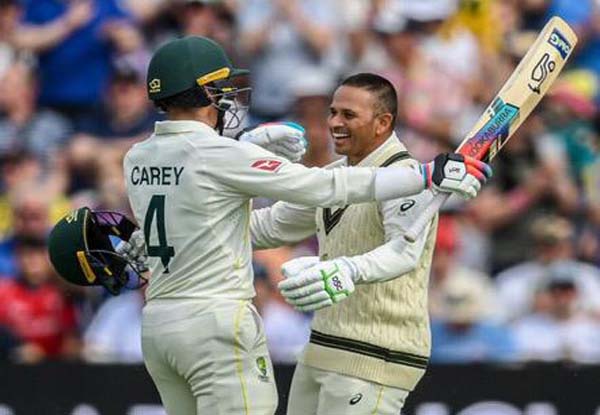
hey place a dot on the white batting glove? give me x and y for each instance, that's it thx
(456, 173)
(134, 250)
(311, 284)
(286, 139)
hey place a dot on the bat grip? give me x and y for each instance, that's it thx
(423, 219)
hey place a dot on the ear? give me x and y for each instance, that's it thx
(383, 123)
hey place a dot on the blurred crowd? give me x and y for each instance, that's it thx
(515, 276)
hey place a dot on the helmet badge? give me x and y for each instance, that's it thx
(154, 86)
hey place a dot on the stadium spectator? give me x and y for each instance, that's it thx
(279, 37)
(434, 92)
(209, 18)
(126, 117)
(462, 332)
(553, 250)
(312, 90)
(558, 329)
(10, 11)
(528, 182)
(31, 209)
(75, 69)
(24, 127)
(33, 308)
(363, 23)
(445, 267)
(568, 116)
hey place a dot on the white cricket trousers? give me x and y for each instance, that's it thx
(208, 357)
(320, 392)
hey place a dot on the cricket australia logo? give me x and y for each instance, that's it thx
(154, 85)
(261, 366)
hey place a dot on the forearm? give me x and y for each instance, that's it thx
(264, 175)
(395, 257)
(258, 172)
(391, 260)
(41, 38)
(360, 185)
(281, 224)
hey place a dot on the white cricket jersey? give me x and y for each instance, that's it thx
(381, 332)
(190, 191)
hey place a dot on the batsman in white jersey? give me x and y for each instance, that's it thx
(367, 353)
(190, 190)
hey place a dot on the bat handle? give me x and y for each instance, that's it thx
(423, 219)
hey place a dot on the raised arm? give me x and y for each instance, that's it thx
(256, 172)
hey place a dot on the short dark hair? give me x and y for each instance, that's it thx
(386, 98)
(195, 97)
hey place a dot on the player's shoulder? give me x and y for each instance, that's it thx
(136, 149)
(403, 159)
(131, 152)
(341, 162)
(219, 147)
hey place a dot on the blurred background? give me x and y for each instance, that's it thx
(515, 283)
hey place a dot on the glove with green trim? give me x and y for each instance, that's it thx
(311, 284)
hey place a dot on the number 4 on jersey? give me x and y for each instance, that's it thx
(162, 250)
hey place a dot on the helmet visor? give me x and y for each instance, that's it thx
(232, 100)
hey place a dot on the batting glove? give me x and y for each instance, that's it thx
(456, 173)
(311, 284)
(286, 139)
(134, 250)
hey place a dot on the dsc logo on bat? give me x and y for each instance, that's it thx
(560, 43)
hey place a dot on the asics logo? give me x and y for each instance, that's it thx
(356, 399)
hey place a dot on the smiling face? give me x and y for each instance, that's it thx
(357, 122)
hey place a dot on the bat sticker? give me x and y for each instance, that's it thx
(560, 43)
(502, 115)
(540, 72)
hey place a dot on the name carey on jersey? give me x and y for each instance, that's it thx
(156, 176)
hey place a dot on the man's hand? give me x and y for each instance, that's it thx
(286, 139)
(455, 173)
(311, 284)
(134, 250)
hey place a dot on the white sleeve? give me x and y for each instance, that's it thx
(396, 257)
(254, 171)
(281, 224)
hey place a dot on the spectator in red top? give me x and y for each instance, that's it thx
(34, 310)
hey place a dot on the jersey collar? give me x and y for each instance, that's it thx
(392, 144)
(175, 127)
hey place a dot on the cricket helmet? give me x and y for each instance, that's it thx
(195, 62)
(81, 249)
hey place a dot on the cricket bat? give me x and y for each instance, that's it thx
(526, 86)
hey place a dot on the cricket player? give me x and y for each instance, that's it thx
(367, 353)
(190, 190)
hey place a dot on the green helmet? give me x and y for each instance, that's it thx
(183, 63)
(82, 253)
